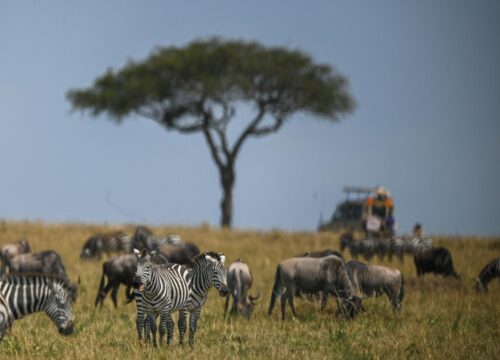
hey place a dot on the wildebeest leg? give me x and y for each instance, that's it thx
(324, 298)
(226, 305)
(181, 324)
(290, 300)
(102, 295)
(114, 294)
(283, 299)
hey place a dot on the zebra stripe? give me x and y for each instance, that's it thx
(490, 271)
(22, 295)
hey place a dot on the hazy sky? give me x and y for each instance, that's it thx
(425, 75)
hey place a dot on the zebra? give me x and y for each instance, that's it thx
(491, 270)
(23, 294)
(163, 289)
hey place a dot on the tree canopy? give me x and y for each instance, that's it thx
(198, 88)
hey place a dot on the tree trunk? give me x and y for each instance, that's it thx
(227, 178)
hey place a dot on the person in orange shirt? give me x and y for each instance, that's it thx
(382, 206)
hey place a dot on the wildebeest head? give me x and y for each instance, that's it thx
(91, 248)
(249, 304)
(24, 246)
(213, 263)
(351, 307)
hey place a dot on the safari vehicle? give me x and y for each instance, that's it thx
(349, 214)
(365, 209)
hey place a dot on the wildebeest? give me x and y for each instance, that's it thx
(490, 271)
(179, 254)
(110, 242)
(10, 251)
(375, 280)
(311, 275)
(144, 238)
(434, 260)
(239, 281)
(118, 271)
(44, 262)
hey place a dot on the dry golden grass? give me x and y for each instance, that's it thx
(441, 318)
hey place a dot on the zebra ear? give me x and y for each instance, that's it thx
(137, 252)
(222, 258)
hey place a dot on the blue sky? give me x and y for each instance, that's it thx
(425, 76)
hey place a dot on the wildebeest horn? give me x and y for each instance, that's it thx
(254, 298)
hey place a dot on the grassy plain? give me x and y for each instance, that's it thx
(440, 319)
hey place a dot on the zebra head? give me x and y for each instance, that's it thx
(213, 265)
(58, 305)
(143, 271)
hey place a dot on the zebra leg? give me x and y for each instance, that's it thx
(166, 325)
(181, 324)
(193, 320)
(151, 321)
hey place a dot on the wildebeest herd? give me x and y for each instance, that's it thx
(164, 275)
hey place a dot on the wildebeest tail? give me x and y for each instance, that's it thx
(402, 289)
(276, 289)
(100, 292)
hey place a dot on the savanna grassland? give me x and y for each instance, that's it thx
(441, 318)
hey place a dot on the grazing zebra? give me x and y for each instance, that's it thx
(490, 271)
(23, 294)
(163, 289)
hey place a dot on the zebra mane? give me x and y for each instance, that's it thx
(216, 256)
(17, 277)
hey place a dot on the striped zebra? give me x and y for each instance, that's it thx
(23, 294)
(490, 271)
(163, 289)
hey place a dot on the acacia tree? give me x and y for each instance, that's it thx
(198, 88)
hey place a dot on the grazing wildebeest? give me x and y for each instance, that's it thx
(179, 254)
(23, 294)
(10, 251)
(44, 262)
(311, 275)
(118, 271)
(239, 281)
(434, 260)
(110, 242)
(375, 280)
(490, 271)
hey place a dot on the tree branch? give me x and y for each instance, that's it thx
(249, 129)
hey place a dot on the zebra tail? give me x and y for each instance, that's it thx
(276, 290)
(100, 292)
